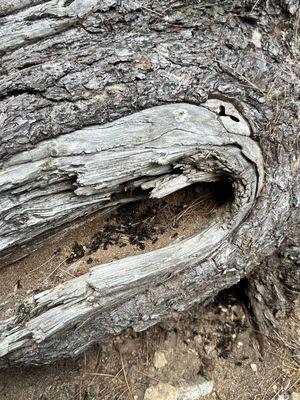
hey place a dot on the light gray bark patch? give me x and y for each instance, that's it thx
(39, 20)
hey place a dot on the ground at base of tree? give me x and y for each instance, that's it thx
(214, 347)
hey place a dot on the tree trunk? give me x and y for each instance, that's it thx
(82, 133)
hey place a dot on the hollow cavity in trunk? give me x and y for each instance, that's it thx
(134, 228)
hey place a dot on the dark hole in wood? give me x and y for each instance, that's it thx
(68, 2)
(222, 113)
(223, 190)
(236, 119)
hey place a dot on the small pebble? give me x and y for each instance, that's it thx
(253, 367)
(159, 360)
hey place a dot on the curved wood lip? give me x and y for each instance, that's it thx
(156, 145)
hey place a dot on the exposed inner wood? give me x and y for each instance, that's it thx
(162, 149)
(134, 228)
(153, 153)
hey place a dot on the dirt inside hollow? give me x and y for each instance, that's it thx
(134, 228)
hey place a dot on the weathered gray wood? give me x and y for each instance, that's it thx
(30, 24)
(78, 173)
(146, 144)
(64, 70)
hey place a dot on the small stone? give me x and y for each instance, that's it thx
(295, 396)
(92, 392)
(240, 344)
(198, 340)
(253, 367)
(194, 392)
(237, 310)
(162, 391)
(208, 349)
(159, 360)
(284, 396)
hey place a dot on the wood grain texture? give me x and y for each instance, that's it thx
(78, 173)
(163, 149)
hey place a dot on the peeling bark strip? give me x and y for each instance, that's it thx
(159, 150)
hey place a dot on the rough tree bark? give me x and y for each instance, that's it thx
(67, 65)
